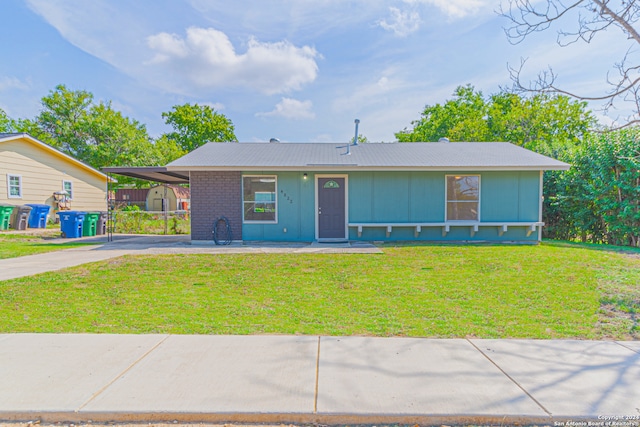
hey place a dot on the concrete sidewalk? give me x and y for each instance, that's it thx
(13, 268)
(310, 379)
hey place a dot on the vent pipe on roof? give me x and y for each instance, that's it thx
(444, 139)
(274, 140)
(355, 140)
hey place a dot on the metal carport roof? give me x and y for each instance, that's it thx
(151, 173)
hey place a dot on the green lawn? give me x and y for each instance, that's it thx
(546, 291)
(15, 245)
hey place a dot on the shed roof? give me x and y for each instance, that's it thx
(460, 156)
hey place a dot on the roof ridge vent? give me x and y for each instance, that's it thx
(444, 139)
(274, 140)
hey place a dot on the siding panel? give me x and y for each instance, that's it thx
(42, 175)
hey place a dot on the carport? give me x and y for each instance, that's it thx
(158, 174)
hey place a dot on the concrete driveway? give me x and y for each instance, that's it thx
(151, 244)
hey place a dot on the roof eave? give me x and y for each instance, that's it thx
(350, 168)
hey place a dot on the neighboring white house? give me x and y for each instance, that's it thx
(33, 172)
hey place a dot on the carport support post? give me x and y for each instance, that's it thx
(165, 208)
(110, 206)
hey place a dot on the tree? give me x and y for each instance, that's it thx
(167, 150)
(598, 199)
(93, 133)
(541, 122)
(64, 118)
(6, 123)
(590, 17)
(195, 125)
(115, 140)
(612, 163)
(462, 118)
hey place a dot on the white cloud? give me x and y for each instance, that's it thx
(291, 109)
(206, 57)
(369, 94)
(454, 9)
(401, 23)
(12, 83)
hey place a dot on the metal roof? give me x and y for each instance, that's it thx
(151, 173)
(443, 156)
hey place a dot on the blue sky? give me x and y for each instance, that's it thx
(297, 70)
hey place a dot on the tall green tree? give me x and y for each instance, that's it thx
(115, 140)
(541, 122)
(195, 125)
(64, 118)
(463, 118)
(91, 132)
(167, 150)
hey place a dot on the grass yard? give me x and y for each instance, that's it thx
(15, 245)
(546, 291)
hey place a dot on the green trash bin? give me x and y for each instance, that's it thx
(5, 216)
(90, 224)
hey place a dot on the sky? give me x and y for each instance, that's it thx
(296, 70)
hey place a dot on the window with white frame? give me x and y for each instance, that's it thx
(14, 186)
(68, 187)
(259, 198)
(463, 197)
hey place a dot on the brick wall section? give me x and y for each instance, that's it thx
(215, 194)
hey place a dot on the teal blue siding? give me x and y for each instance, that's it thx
(427, 196)
(529, 200)
(403, 197)
(396, 196)
(296, 208)
(509, 196)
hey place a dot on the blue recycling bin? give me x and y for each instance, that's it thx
(71, 223)
(38, 215)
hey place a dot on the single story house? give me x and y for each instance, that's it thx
(33, 171)
(302, 192)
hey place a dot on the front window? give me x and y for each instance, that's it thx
(14, 186)
(68, 187)
(259, 198)
(463, 197)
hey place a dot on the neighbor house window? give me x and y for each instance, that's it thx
(68, 187)
(259, 198)
(463, 197)
(14, 186)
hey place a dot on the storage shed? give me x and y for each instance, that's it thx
(176, 198)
